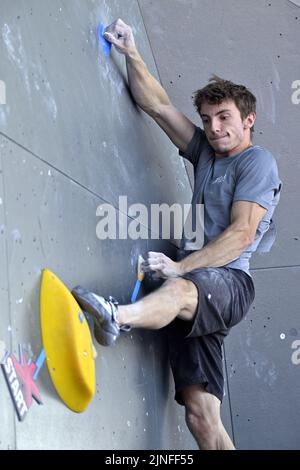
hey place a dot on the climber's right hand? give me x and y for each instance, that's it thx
(121, 35)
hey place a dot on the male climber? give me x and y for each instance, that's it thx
(210, 290)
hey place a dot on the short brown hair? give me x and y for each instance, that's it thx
(219, 90)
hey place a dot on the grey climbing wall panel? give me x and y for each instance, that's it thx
(254, 43)
(71, 107)
(133, 380)
(263, 363)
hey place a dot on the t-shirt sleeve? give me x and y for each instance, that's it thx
(195, 147)
(257, 179)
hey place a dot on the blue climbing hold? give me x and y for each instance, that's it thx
(104, 44)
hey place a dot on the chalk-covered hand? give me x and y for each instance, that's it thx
(161, 265)
(120, 34)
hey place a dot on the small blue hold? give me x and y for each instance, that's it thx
(104, 44)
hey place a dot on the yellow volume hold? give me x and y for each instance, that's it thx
(67, 343)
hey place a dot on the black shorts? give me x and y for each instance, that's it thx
(195, 347)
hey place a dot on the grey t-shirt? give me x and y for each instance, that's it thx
(251, 175)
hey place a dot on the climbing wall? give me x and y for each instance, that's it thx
(254, 43)
(71, 140)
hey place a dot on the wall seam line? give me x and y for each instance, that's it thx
(160, 80)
